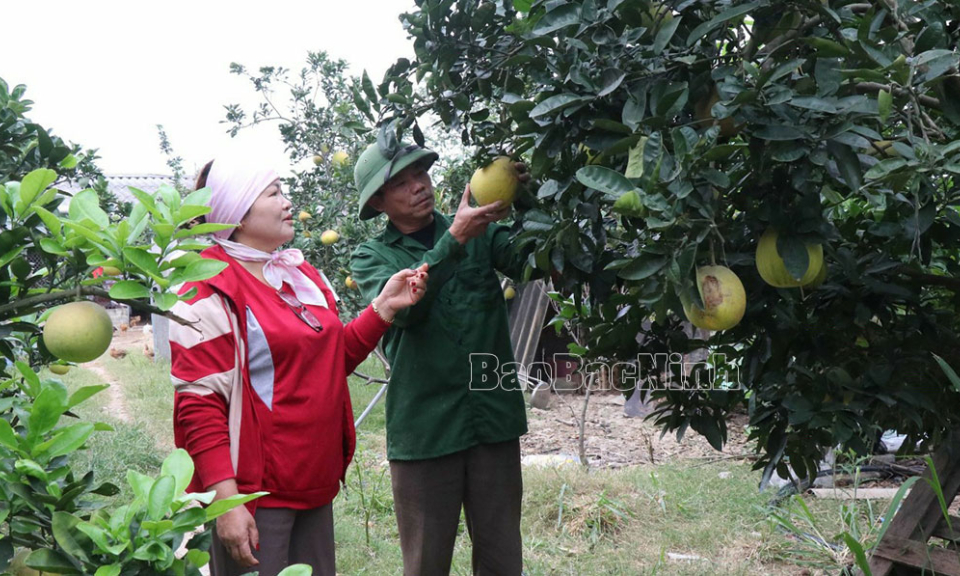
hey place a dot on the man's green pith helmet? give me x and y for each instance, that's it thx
(379, 163)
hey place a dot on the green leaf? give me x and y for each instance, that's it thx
(827, 48)
(665, 34)
(221, 507)
(51, 246)
(368, 89)
(30, 377)
(50, 404)
(715, 22)
(128, 290)
(643, 267)
(610, 80)
(67, 439)
(557, 103)
(111, 570)
(605, 180)
(189, 519)
(188, 213)
(32, 185)
(538, 221)
(847, 163)
(157, 527)
(83, 393)
(85, 206)
(146, 200)
(566, 14)
(8, 437)
(165, 300)
(199, 229)
(814, 103)
(296, 570)
(201, 270)
(884, 168)
(178, 465)
(52, 561)
(884, 104)
(796, 259)
(161, 497)
(635, 160)
(951, 375)
(64, 532)
(28, 467)
(50, 220)
(142, 260)
(779, 133)
(200, 198)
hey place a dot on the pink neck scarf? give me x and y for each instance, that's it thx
(280, 267)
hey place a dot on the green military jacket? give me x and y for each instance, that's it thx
(447, 352)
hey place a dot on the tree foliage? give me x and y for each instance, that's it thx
(53, 516)
(835, 122)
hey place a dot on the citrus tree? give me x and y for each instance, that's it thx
(665, 138)
(53, 516)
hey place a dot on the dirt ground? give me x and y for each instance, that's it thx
(614, 440)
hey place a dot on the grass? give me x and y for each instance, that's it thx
(630, 521)
(129, 446)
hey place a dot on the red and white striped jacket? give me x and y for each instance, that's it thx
(233, 426)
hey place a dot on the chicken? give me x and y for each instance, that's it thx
(134, 320)
(117, 353)
(124, 327)
(148, 350)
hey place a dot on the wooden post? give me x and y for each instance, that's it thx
(904, 548)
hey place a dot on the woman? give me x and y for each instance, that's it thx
(261, 392)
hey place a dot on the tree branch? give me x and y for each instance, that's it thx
(931, 279)
(874, 87)
(7, 310)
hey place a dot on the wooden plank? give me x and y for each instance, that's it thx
(920, 511)
(944, 531)
(859, 494)
(918, 555)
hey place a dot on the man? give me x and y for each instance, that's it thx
(452, 430)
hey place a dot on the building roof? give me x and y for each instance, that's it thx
(118, 184)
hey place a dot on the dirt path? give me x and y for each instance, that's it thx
(615, 441)
(116, 406)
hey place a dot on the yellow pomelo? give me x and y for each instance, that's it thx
(111, 271)
(509, 293)
(629, 205)
(882, 148)
(496, 181)
(351, 283)
(303, 216)
(340, 158)
(60, 369)
(820, 278)
(18, 564)
(329, 237)
(317, 159)
(657, 15)
(78, 331)
(703, 112)
(307, 234)
(724, 299)
(774, 271)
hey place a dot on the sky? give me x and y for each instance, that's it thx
(104, 73)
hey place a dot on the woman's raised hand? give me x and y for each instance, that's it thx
(402, 290)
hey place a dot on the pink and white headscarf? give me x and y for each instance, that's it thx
(235, 184)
